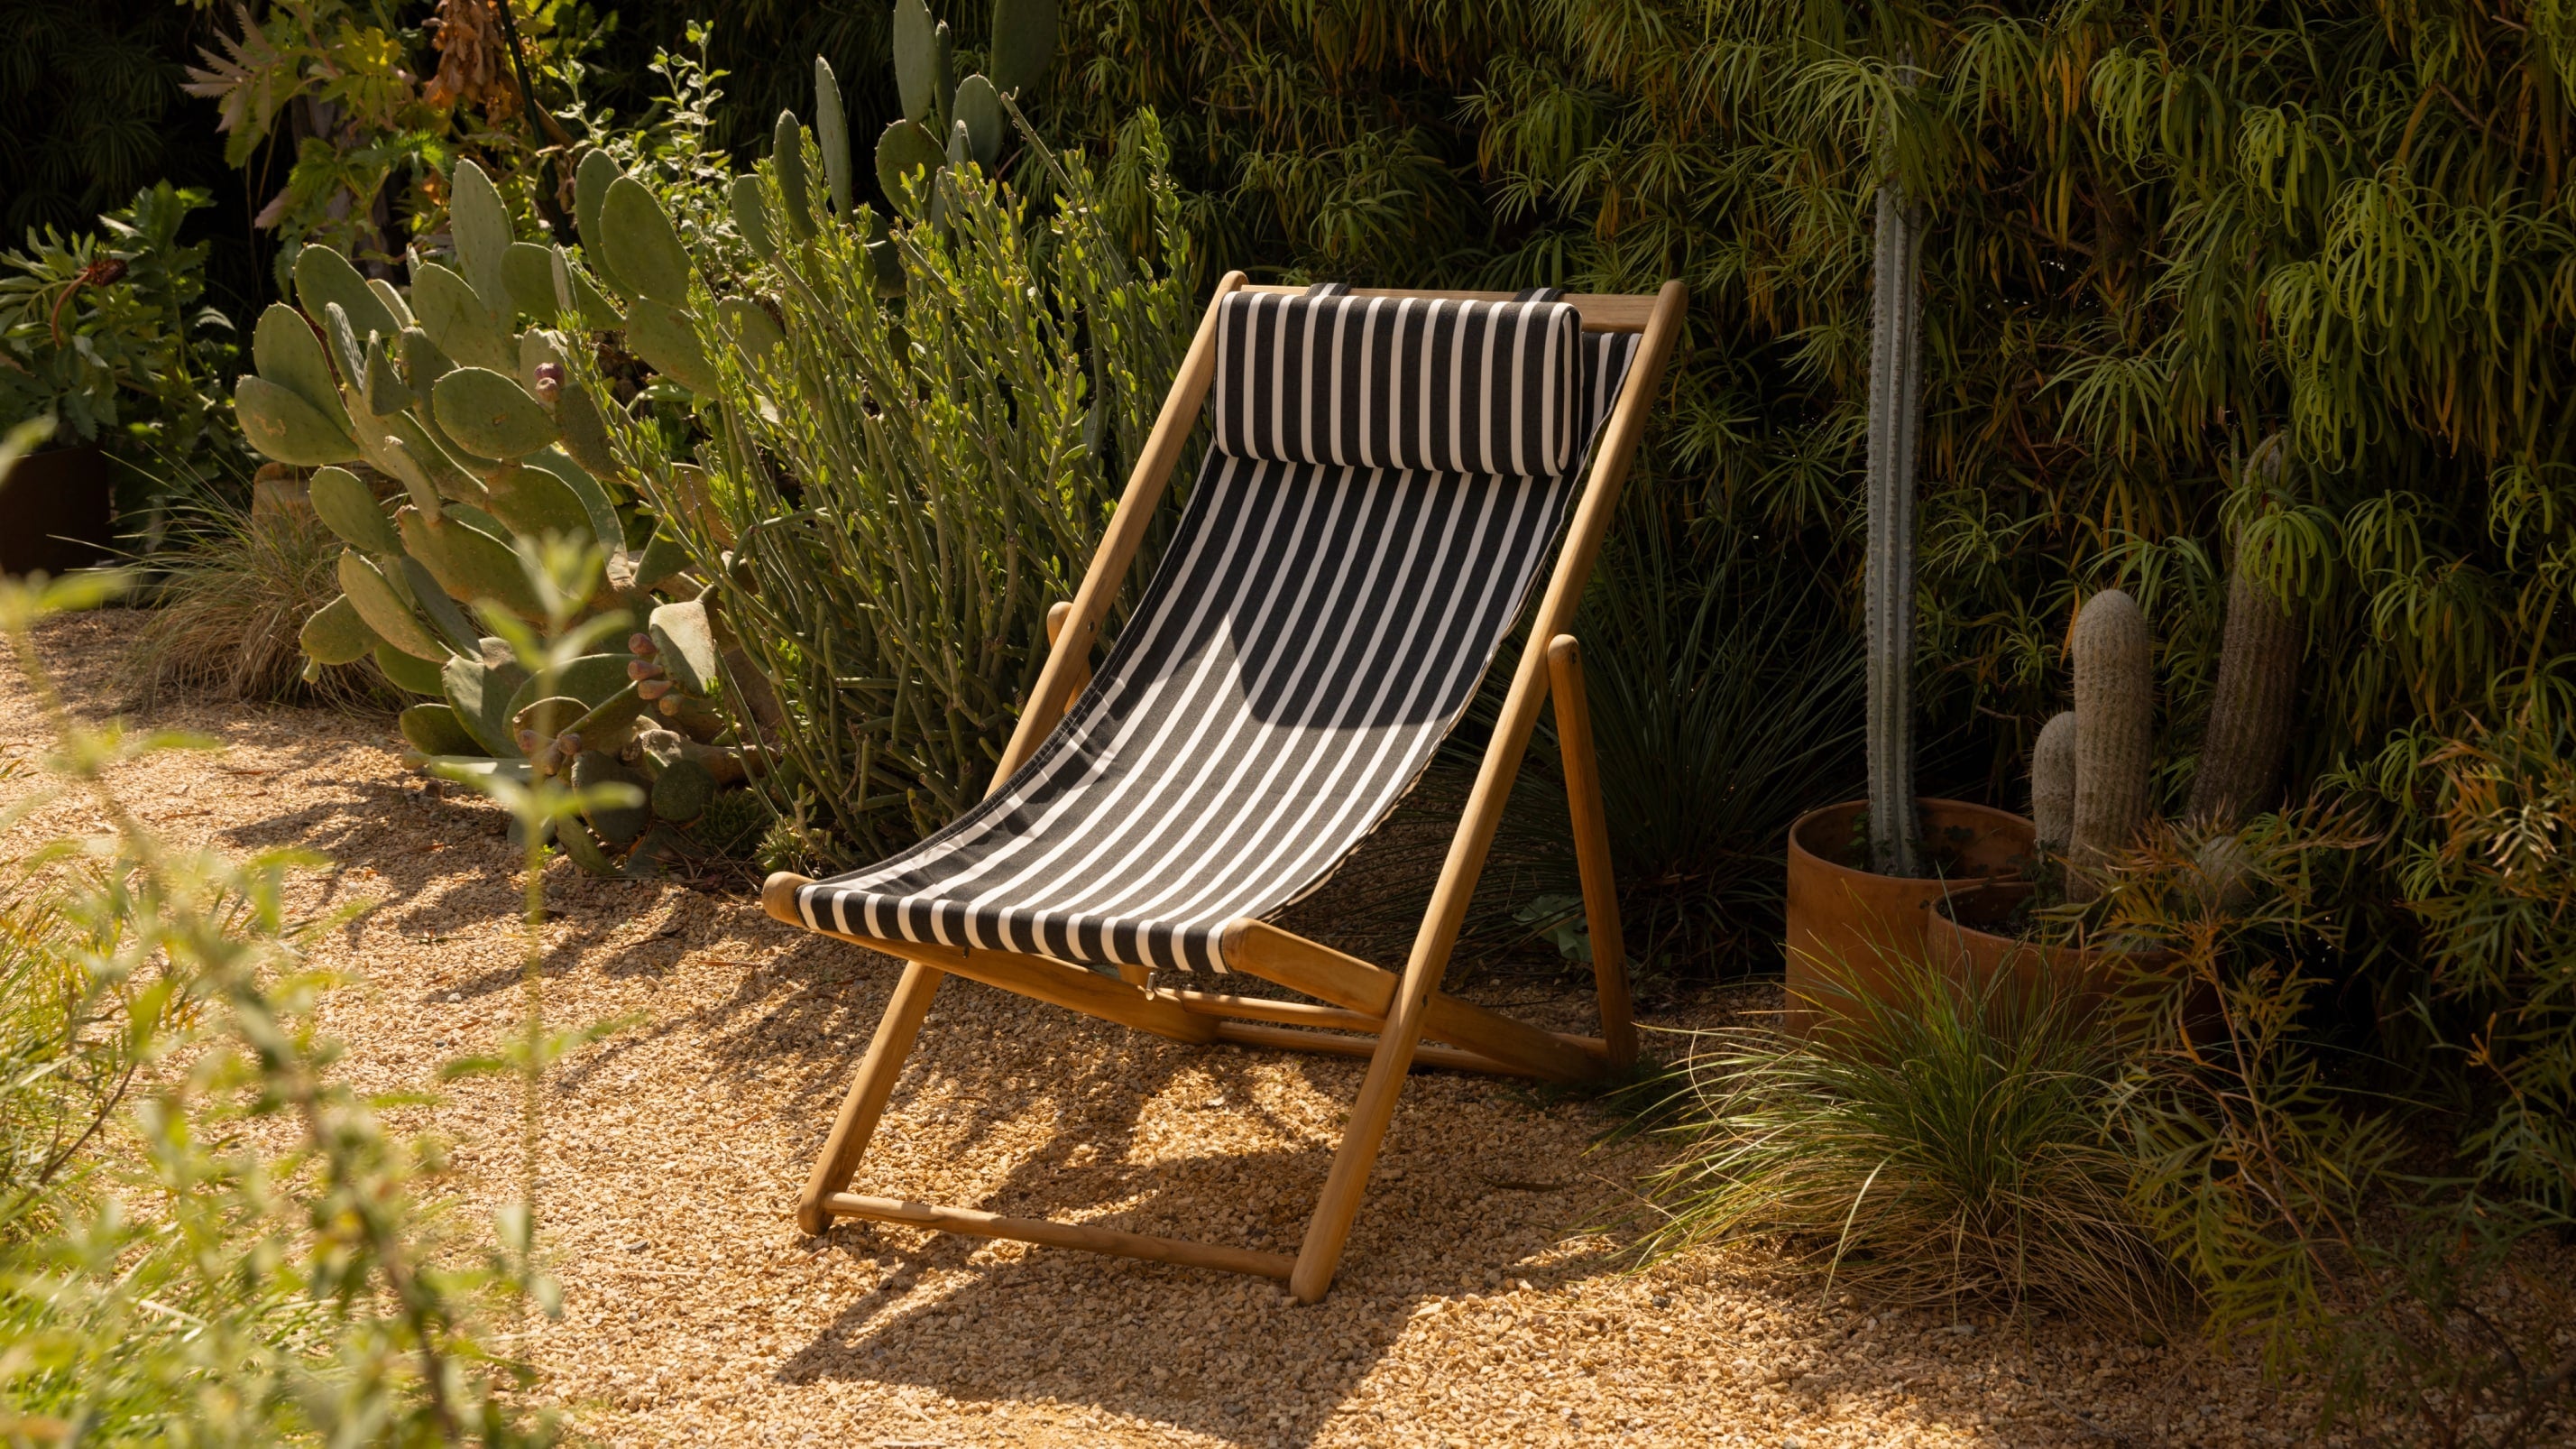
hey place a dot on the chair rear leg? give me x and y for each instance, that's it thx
(1592, 850)
(857, 1124)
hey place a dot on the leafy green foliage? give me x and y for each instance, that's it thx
(164, 1278)
(2289, 1196)
(105, 331)
(888, 567)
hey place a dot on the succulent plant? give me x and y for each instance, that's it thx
(2114, 727)
(2052, 783)
(946, 122)
(1895, 422)
(443, 392)
(2258, 675)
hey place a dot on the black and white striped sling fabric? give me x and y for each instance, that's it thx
(1387, 481)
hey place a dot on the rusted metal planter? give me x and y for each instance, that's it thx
(1849, 927)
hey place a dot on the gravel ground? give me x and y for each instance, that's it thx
(1475, 1305)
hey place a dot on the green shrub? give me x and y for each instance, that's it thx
(897, 487)
(163, 1278)
(107, 333)
(1929, 1144)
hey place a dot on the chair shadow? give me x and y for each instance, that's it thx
(1206, 1351)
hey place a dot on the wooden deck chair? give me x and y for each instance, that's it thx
(1389, 474)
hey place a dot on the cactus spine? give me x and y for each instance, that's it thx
(2114, 726)
(1895, 420)
(2052, 783)
(2258, 674)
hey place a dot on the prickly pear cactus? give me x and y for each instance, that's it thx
(457, 391)
(2114, 726)
(946, 122)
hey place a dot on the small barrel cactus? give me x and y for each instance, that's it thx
(2052, 783)
(2114, 726)
(493, 444)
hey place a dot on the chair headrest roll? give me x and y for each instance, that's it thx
(1400, 382)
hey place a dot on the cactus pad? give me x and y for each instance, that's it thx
(979, 110)
(751, 218)
(491, 414)
(465, 326)
(683, 789)
(641, 245)
(528, 280)
(1024, 36)
(685, 644)
(387, 613)
(618, 823)
(832, 135)
(434, 729)
(336, 635)
(787, 154)
(323, 276)
(916, 59)
(904, 149)
(348, 508)
(668, 338)
(481, 694)
(412, 675)
(286, 353)
(479, 224)
(284, 426)
(468, 563)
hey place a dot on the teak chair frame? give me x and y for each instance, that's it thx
(1390, 1013)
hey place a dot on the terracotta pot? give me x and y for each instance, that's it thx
(1963, 939)
(1847, 924)
(57, 512)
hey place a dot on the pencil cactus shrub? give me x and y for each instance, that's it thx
(912, 431)
(473, 417)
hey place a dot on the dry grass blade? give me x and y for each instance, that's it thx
(231, 606)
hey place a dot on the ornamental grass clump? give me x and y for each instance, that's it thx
(1928, 1144)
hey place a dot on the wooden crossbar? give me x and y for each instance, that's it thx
(1059, 1235)
(1320, 971)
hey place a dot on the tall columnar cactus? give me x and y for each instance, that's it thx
(2052, 783)
(2114, 726)
(2258, 675)
(1895, 421)
(443, 392)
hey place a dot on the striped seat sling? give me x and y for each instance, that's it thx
(1386, 482)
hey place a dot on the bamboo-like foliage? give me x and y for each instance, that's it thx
(903, 486)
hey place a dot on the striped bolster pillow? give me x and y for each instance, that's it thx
(1398, 382)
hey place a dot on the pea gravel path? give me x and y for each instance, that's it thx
(1472, 1309)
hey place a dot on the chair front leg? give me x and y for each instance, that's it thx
(857, 1124)
(1592, 850)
